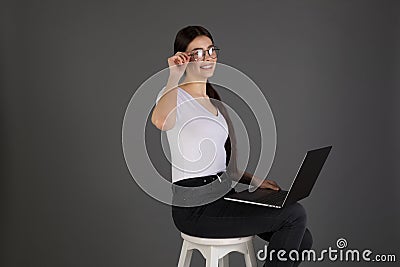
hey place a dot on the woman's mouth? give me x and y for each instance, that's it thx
(206, 67)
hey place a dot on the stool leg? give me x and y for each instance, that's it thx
(250, 257)
(212, 258)
(186, 255)
(224, 262)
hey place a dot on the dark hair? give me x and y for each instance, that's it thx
(182, 40)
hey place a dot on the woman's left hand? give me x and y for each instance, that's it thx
(266, 183)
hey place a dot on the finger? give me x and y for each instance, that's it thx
(266, 184)
(274, 186)
(183, 58)
(178, 60)
(186, 57)
(263, 185)
(274, 183)
(174, 58)
(269, 182)
(184, 53)
(180, 54)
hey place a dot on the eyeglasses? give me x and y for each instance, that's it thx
(200, 54)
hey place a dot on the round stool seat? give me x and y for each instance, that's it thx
(216, 250)
(216, 241)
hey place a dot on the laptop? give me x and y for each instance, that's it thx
(300, 188)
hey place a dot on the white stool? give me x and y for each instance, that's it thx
(216, 250)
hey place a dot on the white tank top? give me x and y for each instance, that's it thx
(197, 139)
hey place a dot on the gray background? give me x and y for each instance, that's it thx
(329, 69)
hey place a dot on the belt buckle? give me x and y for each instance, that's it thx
(219, 178)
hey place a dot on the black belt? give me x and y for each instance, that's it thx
(199, 181)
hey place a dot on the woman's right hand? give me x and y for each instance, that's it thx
(177, 64)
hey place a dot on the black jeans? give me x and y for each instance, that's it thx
(283, 228)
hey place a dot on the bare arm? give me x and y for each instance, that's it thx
(164, 113)
(246, 178)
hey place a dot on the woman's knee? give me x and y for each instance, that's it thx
(297, 214)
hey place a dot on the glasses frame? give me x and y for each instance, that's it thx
(205, 51)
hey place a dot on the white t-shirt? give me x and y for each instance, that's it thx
(197, 139)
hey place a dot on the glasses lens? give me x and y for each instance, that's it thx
(213, 52)
(197, 55)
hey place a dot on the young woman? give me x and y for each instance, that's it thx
(176, 107)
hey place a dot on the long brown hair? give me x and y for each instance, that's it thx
(182, 40)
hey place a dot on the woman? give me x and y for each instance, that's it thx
(195, 97)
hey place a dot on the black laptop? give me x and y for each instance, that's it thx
(300, 188)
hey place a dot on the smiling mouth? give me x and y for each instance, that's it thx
(206, 67)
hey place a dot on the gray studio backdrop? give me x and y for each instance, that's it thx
(329, 69)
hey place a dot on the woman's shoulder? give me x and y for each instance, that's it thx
(180, 96)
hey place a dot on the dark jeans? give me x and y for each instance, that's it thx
(283, 228)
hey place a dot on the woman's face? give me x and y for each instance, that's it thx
(198, 69)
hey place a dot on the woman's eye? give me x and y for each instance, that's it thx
(199, 53)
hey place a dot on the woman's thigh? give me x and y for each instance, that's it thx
(224, 218)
